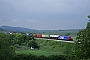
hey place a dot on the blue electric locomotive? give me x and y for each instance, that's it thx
(67, 38)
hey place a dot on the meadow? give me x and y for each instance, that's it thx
(37, 52)
(47, 48)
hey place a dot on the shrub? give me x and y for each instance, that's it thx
(33, 44)
(56, 57)
(42, 57)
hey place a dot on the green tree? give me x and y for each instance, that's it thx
(11, 36)
(6, 51)
(19, 39)
(22, 39)
(81, 48)
(33, 44)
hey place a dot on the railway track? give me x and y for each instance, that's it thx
(56, 40)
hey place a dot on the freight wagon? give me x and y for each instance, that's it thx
(45, 36)
(54, 36)
(67, 38)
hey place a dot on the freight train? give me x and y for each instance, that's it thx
(58, 37)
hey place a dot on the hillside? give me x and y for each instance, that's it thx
(2, 30)
(18, 29)
(72, 32)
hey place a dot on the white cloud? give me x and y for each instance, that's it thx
(53, 6)
(47, 13)
(49, 6)
(32, 20)
(15, 20)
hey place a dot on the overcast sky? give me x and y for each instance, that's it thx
(45, 14)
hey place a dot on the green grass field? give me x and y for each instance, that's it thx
(72, 32)
(48, 48)
(37, 52)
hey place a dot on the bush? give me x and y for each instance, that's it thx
(33, 44)
(25, 57)
(6, 51)
(20, 57)
(42, 57)
(56, 57)
(17, 45)
(32, 57)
